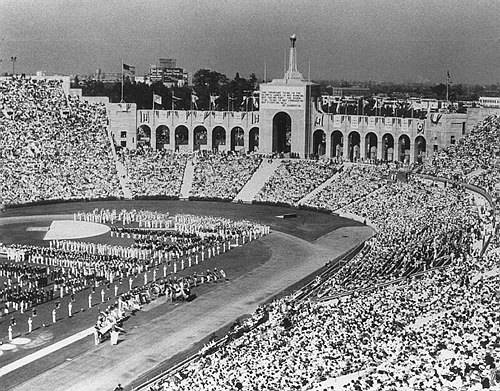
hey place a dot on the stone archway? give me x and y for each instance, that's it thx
(388, 147)
(143, 136)
(337, 144)
(199, 137)
(420, 148)
(218, 137)
(371, 141)
(282, 133)
(181, 136)
(319, 142)
(162, 137)
(237, 138)
(253, 140)
(404, 149)
(353, 142)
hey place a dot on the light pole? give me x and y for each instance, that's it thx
(13, 59)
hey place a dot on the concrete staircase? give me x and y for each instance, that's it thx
(124, 180)
(187, 181)
(121, 171)
(256, 182)
(321, 187)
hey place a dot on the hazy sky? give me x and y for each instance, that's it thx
(392, 40)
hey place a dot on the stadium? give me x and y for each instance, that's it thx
(280, 258)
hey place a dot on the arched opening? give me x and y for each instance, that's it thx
(353, 144)
(181, 136)
(371, 146)
(199, 137)
(319, 142)
(253, 140)
(218, 137)
(162, 137)
(337, 144)
(404, 148)
(282, 133)
(388, 147)
(420, 149)
(143, 136)
(237, 139)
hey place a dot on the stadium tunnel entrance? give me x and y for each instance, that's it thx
(282, 133)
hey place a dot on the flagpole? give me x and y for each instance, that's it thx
(447, 82)
(121, 100)
(172, 99)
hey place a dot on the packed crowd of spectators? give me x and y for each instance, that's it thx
(417, 309)
(294, 179)
(153, 173)
(420, 226)
(475, 159)
(430, 331)
(352, 184)
(222, 175)
(52, 146)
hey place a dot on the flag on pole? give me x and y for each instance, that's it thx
(255, 99)
(194, 99)
(319, 103)
(128, 69)
(157, 99)
(213, 99)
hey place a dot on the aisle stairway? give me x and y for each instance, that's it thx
(256, 182)
(321, 187)
(121, 171)
(187, 181)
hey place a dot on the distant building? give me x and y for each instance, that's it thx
(489, 102)
(155, 73)
(167, 63)
(167, 73)
(109, 77)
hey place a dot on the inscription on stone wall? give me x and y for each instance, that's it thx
(282, 99)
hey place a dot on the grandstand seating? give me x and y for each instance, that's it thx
(416, 309)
